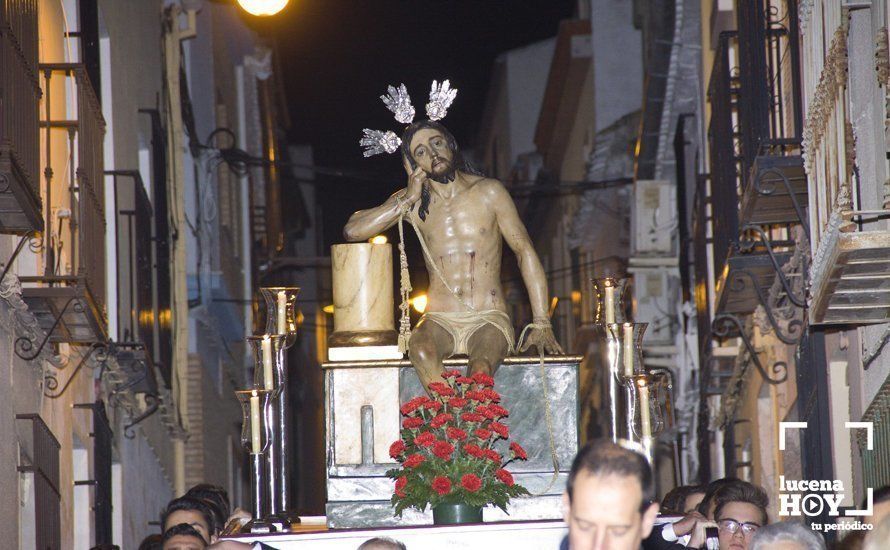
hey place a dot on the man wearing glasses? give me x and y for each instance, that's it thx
(740, 510)
(732, 508)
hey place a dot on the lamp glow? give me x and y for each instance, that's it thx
(379, 239)
(262, 7)
(419, 302)
(329, 309)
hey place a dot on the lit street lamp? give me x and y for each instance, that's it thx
(262, 7)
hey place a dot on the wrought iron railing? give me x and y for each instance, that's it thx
(86, 189)
(42, 460)
(723, 147)
(769, 68)
(162, 236)
(19, 97)
(876, 461)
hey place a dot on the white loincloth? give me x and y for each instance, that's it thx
(461, 325)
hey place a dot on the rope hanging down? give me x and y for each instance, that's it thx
(405, 326)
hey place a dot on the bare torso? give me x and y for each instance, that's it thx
(464, 240)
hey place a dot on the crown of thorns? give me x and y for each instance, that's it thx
(398, 101)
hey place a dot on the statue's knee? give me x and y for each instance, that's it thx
(422, 353)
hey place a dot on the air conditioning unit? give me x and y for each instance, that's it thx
(654, 218)
(655, 292)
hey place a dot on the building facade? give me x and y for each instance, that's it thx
(128, 253)
(786, 227)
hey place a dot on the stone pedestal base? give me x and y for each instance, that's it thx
(362, 402)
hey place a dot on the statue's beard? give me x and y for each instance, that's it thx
(444, 172)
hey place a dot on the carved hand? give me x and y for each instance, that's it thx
(417, 178)
(542, 338)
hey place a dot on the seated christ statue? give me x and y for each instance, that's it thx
(462, 218)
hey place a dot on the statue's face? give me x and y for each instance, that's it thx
(431, 152)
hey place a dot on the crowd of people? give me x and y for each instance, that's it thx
(609, 504)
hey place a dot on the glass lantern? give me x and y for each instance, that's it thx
(610, 304)
(269, 361)
(255, 430)
(281, 317)
(626, 349)
(648, 414)
(662, 392)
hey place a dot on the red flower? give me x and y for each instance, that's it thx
(413, 461)
(401, 483)
(434, 406)
(486, 412)
(397, 448)
(500, 429)
(455, 433)
(464, 380)
(484, 379)
(442, 389)
(443, 449)
(492, 455)
(518, 451)
(451, 374)
(412, 422)
(491, 395)
(504, 476)
(442, 485)
(482, 433)
(498, 410)
(412, 405)
(458, 402)
(473, 450)
(440, 420)
(476, 395)
(471, 482)
(472, 417)
(425, 439)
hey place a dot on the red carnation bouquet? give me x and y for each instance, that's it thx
(446, 452)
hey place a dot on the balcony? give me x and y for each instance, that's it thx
(68, 299)
(20, 210)
(775, 190)
(851, 276)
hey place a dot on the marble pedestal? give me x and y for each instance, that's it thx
(362, 402)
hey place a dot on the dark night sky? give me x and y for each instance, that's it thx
(338, 56)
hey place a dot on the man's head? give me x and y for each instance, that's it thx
(216, 497)
(739, 510)
(381, 543)
(183, 536)
(608, 498)
(152, 542)
(682, 499)
(190, 511)
(786, 535)
(706, 505)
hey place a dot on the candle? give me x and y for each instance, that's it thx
(268, 367)
(645, 419)
(610, 303)
(256, 441)
(628, 349)
(282, 312)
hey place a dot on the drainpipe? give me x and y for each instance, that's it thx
(173, 35)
